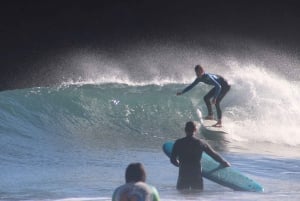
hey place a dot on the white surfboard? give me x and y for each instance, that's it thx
(207, 125)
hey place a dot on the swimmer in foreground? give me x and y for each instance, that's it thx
(135, 188)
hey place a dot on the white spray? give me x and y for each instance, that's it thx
(263, 106)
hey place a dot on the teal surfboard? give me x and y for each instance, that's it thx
(226, 176)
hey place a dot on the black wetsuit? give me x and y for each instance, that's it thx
(186, 154)
(221, 87)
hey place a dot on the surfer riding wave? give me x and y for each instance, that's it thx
(221, 87)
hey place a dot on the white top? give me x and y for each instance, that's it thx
(138, 191)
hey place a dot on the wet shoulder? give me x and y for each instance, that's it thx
(189, 140)
(198, 142)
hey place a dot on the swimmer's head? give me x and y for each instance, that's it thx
(135, 172)
(190, 128)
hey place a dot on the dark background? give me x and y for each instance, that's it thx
(33, 30)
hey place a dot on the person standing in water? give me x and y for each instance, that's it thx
(135, 188)
(221, 87)
(187, 154)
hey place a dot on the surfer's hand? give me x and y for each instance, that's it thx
(178, 93)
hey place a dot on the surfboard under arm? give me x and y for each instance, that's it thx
(226, 176)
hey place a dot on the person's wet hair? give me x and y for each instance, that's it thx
(198, 67)
(190, 127)
(135, 172)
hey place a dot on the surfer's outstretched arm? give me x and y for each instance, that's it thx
(197, 80)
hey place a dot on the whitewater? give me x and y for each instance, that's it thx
(73, 141)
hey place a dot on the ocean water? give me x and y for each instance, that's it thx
(73, 141)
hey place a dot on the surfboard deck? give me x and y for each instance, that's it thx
(207, 125)
(225, 176)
